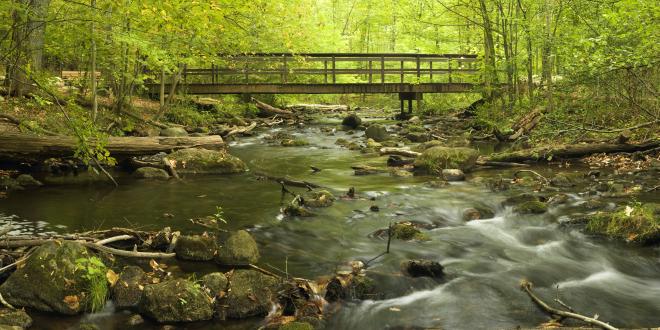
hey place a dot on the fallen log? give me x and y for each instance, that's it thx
(482, 162)
(399, 152)
(318, 107)
(241, 130)
(569, 151)
(18, 147)
(267, 110)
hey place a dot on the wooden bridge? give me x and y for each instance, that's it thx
(409, 75)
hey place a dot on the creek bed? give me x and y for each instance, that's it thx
(484, 260)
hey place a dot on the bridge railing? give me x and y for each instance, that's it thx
(327, 68)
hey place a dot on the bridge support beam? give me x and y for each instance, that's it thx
(410, 96)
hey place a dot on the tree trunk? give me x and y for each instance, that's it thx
(547, 54)
(95, 104)
(489, 51)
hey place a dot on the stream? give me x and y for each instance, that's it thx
(484, 260)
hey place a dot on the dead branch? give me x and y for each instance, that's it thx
(130, 254)
(288, 181)
(241, 130)
(515, 175)
(527, 287)
(114, 239)
(399, 152)
(269, 110)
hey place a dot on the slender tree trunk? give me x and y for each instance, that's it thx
(547, 54)
(95, 104)
(530, 54)
(489, 51)
(162, 87)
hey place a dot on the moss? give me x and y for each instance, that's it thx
(321, 198)
(296, 326)
(637, 224)
(294, 143)
(532, 207)
(205, 161)
(407, 231)
(435, 159)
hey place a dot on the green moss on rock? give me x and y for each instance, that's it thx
(294, 143)
(406, 231)
(296, 326)
(636, 224)
(320, 198)
(531, 207)
(239, 249)
(435, 159)
(203, 161)
(196, 247)
(250, 294)
(176, 301)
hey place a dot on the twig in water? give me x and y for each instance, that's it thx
(515, 175)
(527, 287)
(387, 250)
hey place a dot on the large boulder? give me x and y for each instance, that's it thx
(352, 121)
(634, 224)
(239, 249)
(435, 159)
(250, 294)
(453, 174)
(196, 247)
(203, 161)
(151, 173)
(376, 132)
(176, 301)
(51, 280)
(215, 283)
(17, 318)
(173, 132)
(127, 291)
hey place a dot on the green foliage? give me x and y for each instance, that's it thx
(219, 214)
(94, 272)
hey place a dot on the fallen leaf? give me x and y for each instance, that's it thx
(395, 309)
(112, 277)
(72, 301)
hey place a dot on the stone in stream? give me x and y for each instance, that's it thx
(418, 136)
(239, 249)
(531, 207)
(26, 180)
(639, 224)
(372, 144)
(151, 173)
(562, 180)
(320, 198)
(127, 291)
(203, 161)
(422, 268)
(50, 281)
(251, 294)
(196, 248)
(435, 159)
(215, 283)
(521, 198)
(9, 184)
(407, 231)
(477, 214)
(134, 320)
(400, 173)
(14, 318)
(173, 132)
(294, 143)
(352, 121)
(376, 132)
(350, 286)
(453, 174)
(176, 301)
(398, 161)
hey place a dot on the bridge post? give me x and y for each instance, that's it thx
(418, 68)
(370, 72)
(431, 71)
(449, 61)
(334, 76)
(325, 71)
(382, 70)
(401, 72)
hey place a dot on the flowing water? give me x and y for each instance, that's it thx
(484, 260)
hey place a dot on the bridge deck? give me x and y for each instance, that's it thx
(330, 73)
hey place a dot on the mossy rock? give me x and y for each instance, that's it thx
(176, 301)
(173, 132)
(562, 180)
(296, 326)
(151, 173)
(353, 146)
(196, 248)
(531, 207)
(351, 121)
(407, 231)
(26, 180)
(435, 159)
(520, 198)
(418, 136)
(637, 224)
(342, 142)
(377, 132)
(294, 143)
(215, 283)
(250, 294)
(320, 198)
(51, 280)
(239, 249)
(297, 211)
(428, 144)
(203, 161)
(372, 144)
(14, 318)
(9, 184)
(127, 292)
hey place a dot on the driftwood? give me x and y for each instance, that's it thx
(267, 110)
(289, 181)
(522, 127)
(527, 287)
(399, 152)
(481, 162)
(570, 151)
(241, 130)
(19, 147)
(318, 107)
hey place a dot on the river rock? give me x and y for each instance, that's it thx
(397, 172)
(372, 144)
(134, 320)
(215, 283)
(176, 301)
(350, 287)
(453, 174)
(407, 231)
(418, 136)
(42, 283)
(173, 132)
(196, 248)
(14, 318)
(250, 294)
(151, 173)
(320, 198)
(561, 180)
(352, 121)
(203, 161)
(422, 268)
(477, 214)
(26, 180)
(239, 249)
(520, 198)
(127, 292)
(435, 159)
(376, 132)
(531, 207)
(429, 144)
(294, 142)
(633, 224)
(9, 184)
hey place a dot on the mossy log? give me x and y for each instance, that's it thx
(570, 151)
(17, 147)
